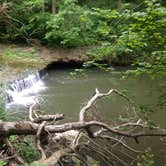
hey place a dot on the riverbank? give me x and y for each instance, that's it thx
(18, 58)
(15, 59)
(45, 54)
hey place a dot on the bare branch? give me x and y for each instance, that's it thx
(94, 99)
(73, 132)
(55, 117)
(139, 123)
(38, 144)
(118, 141)
(54, 158)
(31, 112)
(26, 127)
(41, 118)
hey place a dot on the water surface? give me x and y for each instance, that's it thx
(67, 93)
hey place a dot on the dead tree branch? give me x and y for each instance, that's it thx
(42, 118)
(38, 143)
(26, 127)
(97, 96)
(39, 125)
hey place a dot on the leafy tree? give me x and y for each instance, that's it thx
(136, 33)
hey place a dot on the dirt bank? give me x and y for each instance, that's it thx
(47, 55)
(18, 59)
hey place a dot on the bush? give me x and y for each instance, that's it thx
(70, 27)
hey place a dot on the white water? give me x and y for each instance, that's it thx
(24, 92)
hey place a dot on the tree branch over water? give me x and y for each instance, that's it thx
(45, 128)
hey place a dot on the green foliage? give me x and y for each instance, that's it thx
(146, 159)
(142, 40)
(133, 34)
(14, 54)
(145, 109)
(70, 27)
(3, 163)
(105, 4)
(93, 63)
(25, 149)
(154, 66)
(162, 100)
(2, 114)
(136, 33)
(101, 52)
(22, 21)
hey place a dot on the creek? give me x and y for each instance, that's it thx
(66, 92)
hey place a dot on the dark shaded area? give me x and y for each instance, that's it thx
(63, 65)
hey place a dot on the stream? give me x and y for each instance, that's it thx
(66, 92)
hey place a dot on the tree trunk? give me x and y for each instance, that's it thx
(43, 6)
(53, 6)
(119, 4)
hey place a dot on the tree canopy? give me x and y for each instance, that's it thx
(132, 30)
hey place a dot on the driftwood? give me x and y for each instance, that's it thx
(40, 126)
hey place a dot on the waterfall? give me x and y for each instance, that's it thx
(23, 91)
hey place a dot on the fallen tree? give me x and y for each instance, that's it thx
(81, 137)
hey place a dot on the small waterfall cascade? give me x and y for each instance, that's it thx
(23, 91)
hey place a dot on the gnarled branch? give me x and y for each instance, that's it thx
(38, 126)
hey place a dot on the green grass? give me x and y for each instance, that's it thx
(14, 54)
